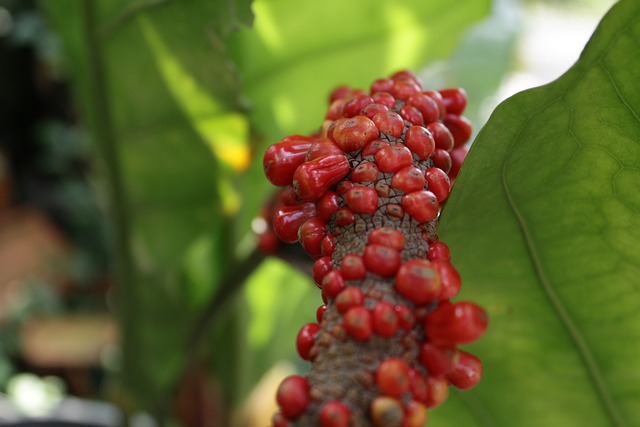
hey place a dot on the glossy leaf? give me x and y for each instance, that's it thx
(543, 225)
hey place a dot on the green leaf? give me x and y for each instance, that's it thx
(543, 226)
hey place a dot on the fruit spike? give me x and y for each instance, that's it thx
(363, 197)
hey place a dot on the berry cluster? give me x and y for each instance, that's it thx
(363, 196)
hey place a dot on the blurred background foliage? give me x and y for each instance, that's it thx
(132, 135)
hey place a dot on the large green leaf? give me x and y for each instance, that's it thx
(543, 224)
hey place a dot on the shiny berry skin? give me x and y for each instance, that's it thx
(344, 216)
(438, 251)
(349, 297)
(412, 115)
(332, 284)
(406, 316)
(427, 107)
(390, 123)
(362, 200)
(320, 269)
(439, 100)
(441, 159)
(287, 220)
(437, 390)
(438, 183)
(381, 260)
(455, 100)
(321, 148)
(355, 104)
(373, 109)
(385, 319)
(408, 179)
(328, 245)
(320, 312)
(357, 323)
(460, 128)
(386, 236)
(466, 371)
(293, 396)
(441, 135)
(418, 281)
(420, 141)
(417, 386)
(436, 359)
(404, 89)
(450, 281)
(457, 157)
(384, 98)
(306, 338)
(327, 204)
(289, 196)
(393, 158)
(381, 85)
(340, 92)
(392, 377)
(335, 109)
(352, 267)
(421, 205)
(372, 148)
(334, 414)
(365, 172)
(415, 415)
(312, 178)
(310, 235)
(453, 324)
(343, 187)
(354, 133)
(281, 160)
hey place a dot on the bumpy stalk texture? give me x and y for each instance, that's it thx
(363, 195)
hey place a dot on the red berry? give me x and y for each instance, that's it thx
(385, 319)
(306, 339)
(403, 89)
(381, 85)
(426, 105)
(352, 267)
(457, 156)
(314, 177)
(453, 324)
(332, 284)
(441, 159)
(418, 281)
(344, 216)
(365, 172)
(466, 371)
(362, 200)
(340, 92)
(420, 141)
(421, 205)
(289, 197)
(450, 281)
(335, 109)
(381, 260)
(349, 297)
(384, 98)
(334, 414)
(441, 135)
(328, 245)
(343, 187)
(406, 75)
(352, 134)
(320, 268)
(320, 312)
(357, 323)
(408, 179)
(460, 128)
(438, 183)
(442, 109)
(437, 391)
(310, 235)
(393, 158)
(293, 396)
(279, 420)
(406, 317)
(438, 251)
(327, 204)
(383, 189)
(386, 236)
(455, 99)
(321, 148)
(415, 415)
(288, 219)
(355, 104)
(392, 377)
(389, 123)
(436, 359)
(373, 109)
(373, 147)
(281, 160)
(411, 114)
(417, 386)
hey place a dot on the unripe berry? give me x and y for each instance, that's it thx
(385, 319)
(362, 200)
(357, 323)
(393, 158)
(281, 160)
(306, 338)
(349, 297)
(293, 396)
(392, 377)
(352, 267)
(421, 205)
(438, 183)
(288, 219)
(420, 141)
(441, 135)
(312, 178)
(334, 414)
(365, 172)
(418, 281)
(389, 123)
(381, 260)
(408, 179)
(455, 100)
(354, 133)
(453, 324)
(466, 371)
(386, 236)
(386, 412)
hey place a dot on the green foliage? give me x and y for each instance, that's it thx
(543, 227)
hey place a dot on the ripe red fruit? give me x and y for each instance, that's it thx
(362, 200)
(334, 414)
(327, 204)
(287, 220)
(460, 128)
(314, 177)
(403, 89)
(450, 281)
(373, 109)
(393, 158)
(457, 156)
(320, 268)
(310, 235)
(344, 216)
(386, 411)
(320, 312)
(426, 105)
(306, 338)
(357, 323)
(437, 98)
(415, 415)
(441, 135)
(381, 85)
(406, 75)
(343, 187)
(438, 183)
(349, 297)
(365, 172)
(386, 236)
(392, 377)
(455, 100)
(352, 134)
(328, 245)
(466, 370)
(453, 324)
(437, 390)
(340, 92)
(420, 141)
(411, 114)
(408, 179)
(436, 359)
(421, 205)
(321, 148)
(352, 267)
(384, 98)
(332, 284)
(281, 160)
(390, 123)
(335, 109)
(438, 251)
(355, 104)
(441, 159)
(293, 396)
(289, 197)
(381, 260)
(385, 319)
(417, 386)
(373, 147)
(406, 317)
(418, 281)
